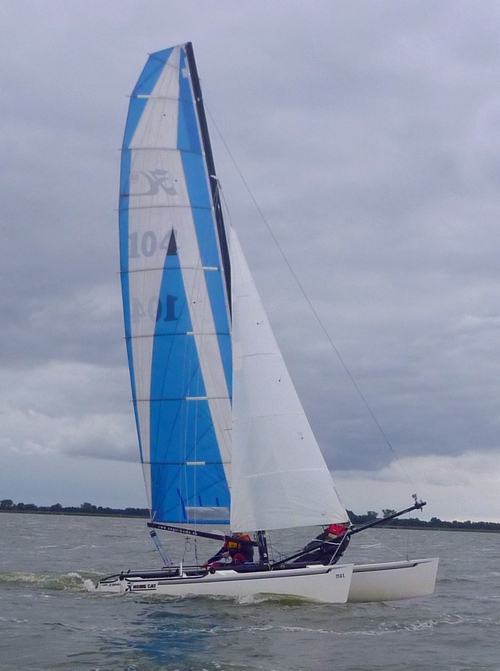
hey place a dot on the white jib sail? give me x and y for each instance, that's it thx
(279, 477)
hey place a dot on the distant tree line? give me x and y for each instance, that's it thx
(7, 505)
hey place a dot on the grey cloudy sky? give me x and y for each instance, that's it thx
(369, 135)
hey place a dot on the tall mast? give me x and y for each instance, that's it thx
(209, 158)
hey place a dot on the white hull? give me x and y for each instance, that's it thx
(331, 584)
(394, 580)
(328, 584)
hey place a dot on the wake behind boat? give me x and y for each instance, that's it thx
(223, 437)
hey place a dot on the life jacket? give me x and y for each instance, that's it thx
(234, 542)
(336, 529)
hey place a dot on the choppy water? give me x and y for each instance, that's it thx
(50, 621)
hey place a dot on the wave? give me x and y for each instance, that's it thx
(64, 581)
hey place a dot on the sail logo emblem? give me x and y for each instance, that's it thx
(158, 180)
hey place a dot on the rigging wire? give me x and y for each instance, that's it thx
(304, 294)
(165, 558)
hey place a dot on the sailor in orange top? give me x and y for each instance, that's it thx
(236, 550)
(328, 546)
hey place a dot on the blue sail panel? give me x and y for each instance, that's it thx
(144, 87)
(175, 298)
(185, 461)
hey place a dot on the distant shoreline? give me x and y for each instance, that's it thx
(89, 510)
(76, 513)
(8, 506)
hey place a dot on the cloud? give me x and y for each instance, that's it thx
(67, 408)
(450, 481)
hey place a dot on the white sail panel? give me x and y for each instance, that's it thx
(279, 477)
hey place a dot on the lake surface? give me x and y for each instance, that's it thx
(49, 620)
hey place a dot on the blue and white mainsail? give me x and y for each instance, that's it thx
(175, 286)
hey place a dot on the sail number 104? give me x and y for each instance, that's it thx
(146, 245)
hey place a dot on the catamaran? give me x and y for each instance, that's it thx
(222, 434)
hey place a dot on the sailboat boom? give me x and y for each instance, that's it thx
(194, 532)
